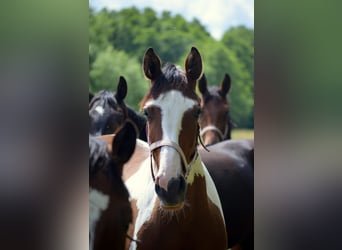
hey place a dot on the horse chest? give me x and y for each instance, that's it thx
(198, 225)
(181, 230)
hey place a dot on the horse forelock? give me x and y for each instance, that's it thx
(214, 94)
(103, 97)
(172, 78)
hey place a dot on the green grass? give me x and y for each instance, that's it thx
(243, 134)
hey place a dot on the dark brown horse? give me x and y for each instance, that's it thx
(231, 164)
(174, 200)
(215, 121)
(108, 111)
(110, 211)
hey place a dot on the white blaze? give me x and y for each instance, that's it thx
(99, 109)
(173, 104)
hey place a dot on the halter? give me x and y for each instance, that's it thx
(174, 145)
(216, 129)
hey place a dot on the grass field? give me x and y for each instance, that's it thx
(243, 134)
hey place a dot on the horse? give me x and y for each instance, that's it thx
(110, 212)
(174, 200)
(215, 121)
(231, 165)
(108, 111)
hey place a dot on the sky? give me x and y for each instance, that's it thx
(216, 15)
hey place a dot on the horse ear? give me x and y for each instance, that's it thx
(123, 144)
(151, 65)
(193, 67)
(121, 90)
(225, 85)
(202, 85)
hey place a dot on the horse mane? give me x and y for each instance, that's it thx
(100, 159)
(172, 77)
(104, 95)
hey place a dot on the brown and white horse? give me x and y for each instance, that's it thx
(215, 121)
(110, 212)
(231, 165)
(174, 200)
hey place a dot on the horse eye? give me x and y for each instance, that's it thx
(147, 113)
(198, 113)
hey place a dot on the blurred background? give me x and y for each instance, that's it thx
(121, 31)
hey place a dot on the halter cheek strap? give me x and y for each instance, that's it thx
(174, 145)
(216, 129)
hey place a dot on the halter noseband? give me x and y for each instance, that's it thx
(217, 130)
(174, 145)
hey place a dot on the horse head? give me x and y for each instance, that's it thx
(172, 109)
(215, 121)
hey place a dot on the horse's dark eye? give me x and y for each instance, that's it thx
(147, 113)
(198, 113)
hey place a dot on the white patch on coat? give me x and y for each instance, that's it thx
(100, 110)
(199, 169)
(173, 104)
(141, 188)
(98, 202)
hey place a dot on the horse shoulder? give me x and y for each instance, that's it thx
(212, 191)
(142, 195)
(141, 153)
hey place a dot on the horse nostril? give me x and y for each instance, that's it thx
(175, 192)
(176, 185)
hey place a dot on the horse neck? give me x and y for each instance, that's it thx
(197, 187)
(139, 121)
(230, 126)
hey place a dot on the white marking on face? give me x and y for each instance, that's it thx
(141, 188)
(173, 104)
(98, 202)
(100, 110)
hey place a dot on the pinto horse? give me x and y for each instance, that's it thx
(174, 200)
(215, 121)
(231, 164)
(108, 111)
(110, 211)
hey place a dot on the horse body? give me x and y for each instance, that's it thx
(174, 201)
(230, 163)
(203, 212)
(109, 208)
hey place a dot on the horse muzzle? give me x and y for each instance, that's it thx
(174, 196)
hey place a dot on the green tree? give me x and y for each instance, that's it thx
(109, 65)
(131, 31)
(241, 40)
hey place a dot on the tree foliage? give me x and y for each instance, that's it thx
(118, 40)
